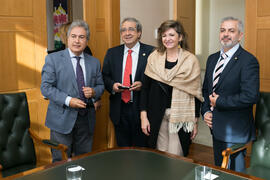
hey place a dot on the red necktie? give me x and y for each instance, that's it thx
(126, 94)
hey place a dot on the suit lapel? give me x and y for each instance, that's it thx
(229, 66)
(141, 61)
(88, 69)
(119, 63)
(212, 67)
(70, 70)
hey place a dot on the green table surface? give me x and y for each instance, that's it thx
(128, 164)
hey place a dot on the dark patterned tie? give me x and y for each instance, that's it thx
(80, 83)
(219, 69)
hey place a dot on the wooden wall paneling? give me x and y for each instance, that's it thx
(103, 17)
(250, 24)
(8, 80)
(113, 35)
(263, 55)
(21, 8)
(263, 8)
(40, 36)
(257, 39)
(185, 13)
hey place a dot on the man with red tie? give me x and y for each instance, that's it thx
(122, 72)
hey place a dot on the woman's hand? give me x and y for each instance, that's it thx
(145, 125)
(195, 129)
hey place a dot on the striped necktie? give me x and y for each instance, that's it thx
(219, 69)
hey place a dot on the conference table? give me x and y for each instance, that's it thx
(128, 164)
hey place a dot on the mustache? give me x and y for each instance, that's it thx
(128, 36)
(226, 37)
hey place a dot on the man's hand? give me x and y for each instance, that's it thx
(77, 103)
(145, 125)
(89, 92)
(115, 87)
(136, 86)
(208, 116)
(97, 105)
(213, 99)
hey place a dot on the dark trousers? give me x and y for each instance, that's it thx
(128, 131)
(79, 140)
(236, 161)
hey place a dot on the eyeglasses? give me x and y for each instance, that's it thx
(131, 29)
(80, 37)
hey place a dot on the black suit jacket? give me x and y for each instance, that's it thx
(238, 90)
(112, 73)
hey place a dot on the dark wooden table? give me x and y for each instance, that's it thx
(128, 164)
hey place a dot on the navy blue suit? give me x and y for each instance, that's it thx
(112, 73)
(238, 90)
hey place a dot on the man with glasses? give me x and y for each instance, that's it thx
(72, 81)
(122, 72)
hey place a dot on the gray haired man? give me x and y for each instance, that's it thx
(72, 81)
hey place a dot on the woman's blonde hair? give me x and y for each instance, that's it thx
(63, 32)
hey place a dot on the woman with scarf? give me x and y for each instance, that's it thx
(171, 93)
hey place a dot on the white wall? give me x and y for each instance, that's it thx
(218, 10)
(209, 14)
(151, 13)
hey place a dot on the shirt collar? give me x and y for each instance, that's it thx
(231, 52)
(72, 55)
(134, 48)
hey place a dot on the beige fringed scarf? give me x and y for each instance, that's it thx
(185, 79)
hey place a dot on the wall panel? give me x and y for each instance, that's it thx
(103, 17)
(257, 37)
(185, 13)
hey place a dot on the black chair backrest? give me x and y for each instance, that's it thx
(261, 147)
(16, 145)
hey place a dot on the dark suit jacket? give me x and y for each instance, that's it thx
(112, 73)
(59, 81)
(238, 90)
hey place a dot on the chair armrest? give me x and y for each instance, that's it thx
(1, 167)
(52, 144)
(229, 151)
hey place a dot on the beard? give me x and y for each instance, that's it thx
(229, 44)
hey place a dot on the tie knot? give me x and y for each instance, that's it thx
(224, 56)
(77, 58)
(129, 51)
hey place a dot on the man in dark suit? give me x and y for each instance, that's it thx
(72, 81)
(230, 89)
(124, 65)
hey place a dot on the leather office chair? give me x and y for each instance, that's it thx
(260, 155)
(17, 152)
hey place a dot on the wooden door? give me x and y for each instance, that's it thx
(184, 11)
(103, 17)
(257, 37)
(22, 52)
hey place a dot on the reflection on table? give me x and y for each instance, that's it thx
(130, 164)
